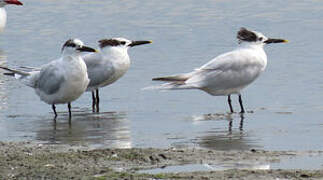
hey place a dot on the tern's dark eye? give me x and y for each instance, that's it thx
(123, 42)
(260, 39)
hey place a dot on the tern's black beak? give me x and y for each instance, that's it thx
(268, 41)
(86, 49)
(136, 43)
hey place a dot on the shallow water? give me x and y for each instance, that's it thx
(284, 103)
(299, 162)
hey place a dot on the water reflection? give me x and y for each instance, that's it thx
(3, 57)
(205, 30)
(232, 138)
(106, 129)
(209, 167)
(3, 91)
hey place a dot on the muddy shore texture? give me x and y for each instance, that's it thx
(27, 160)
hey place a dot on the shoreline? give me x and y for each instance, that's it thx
(21, 160)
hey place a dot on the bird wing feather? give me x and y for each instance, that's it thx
(230, 70)
(49, 79)
(98, 71)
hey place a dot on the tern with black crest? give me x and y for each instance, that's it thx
(107, 66)
(227, 73)
(60, 81)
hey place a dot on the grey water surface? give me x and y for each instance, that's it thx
(285, 104)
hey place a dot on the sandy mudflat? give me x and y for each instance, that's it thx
(26, 160)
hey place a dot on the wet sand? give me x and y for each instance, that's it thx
(26, 160)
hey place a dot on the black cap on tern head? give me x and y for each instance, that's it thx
(254, 36)
(78, 45)
(246, 35)
(69, 43)
(110, 42)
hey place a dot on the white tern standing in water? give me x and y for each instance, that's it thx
(107, 66)
(227, 73)
(3, 13)
(60, 81)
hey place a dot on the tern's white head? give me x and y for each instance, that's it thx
(120, 43)
(75, 46)
(257, 38)
(6, 2)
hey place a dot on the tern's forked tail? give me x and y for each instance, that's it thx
(14, 72)
(170, 86)
(177, 77)
(175, 82)
(23, 76)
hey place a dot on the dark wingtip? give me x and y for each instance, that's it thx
(165, 79)
(156, 79)
(9, 74)
(161, 79)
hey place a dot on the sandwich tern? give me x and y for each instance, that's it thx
(61, 81)
(3, 13)
(227, 73)
(107, 66)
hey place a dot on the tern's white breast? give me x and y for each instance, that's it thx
(76, 81)
(120, 61)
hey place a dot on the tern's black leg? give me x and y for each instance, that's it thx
(93, 101)
(54, 109)
(97, 101)
(229, 101)
(241, 106)
(69, 110)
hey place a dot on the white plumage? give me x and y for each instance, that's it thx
(60, 81)
(228, 73)
(107, 66)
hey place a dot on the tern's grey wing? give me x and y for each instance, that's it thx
(98, 70)
(226, 61)
(50, 79)
(230, 70)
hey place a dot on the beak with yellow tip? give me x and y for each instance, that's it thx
(136, 43)
(270, 40)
